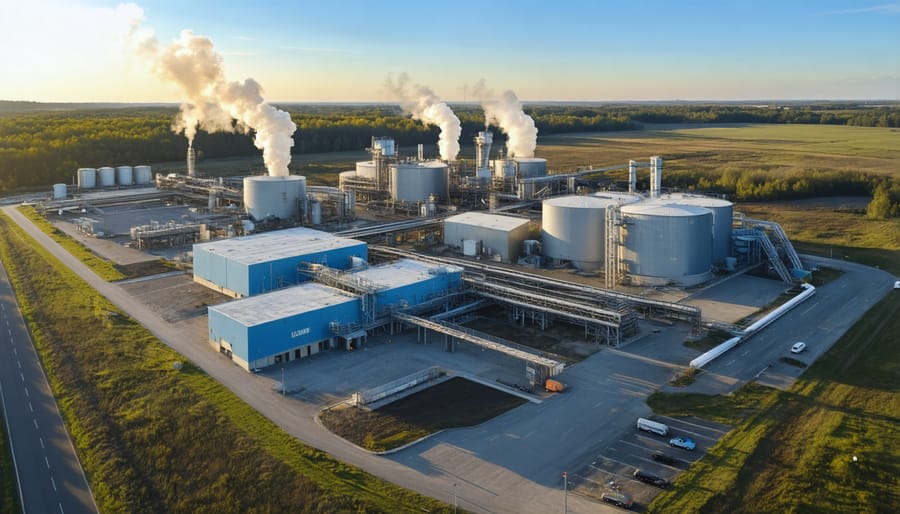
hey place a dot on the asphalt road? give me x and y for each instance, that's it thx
(49, 474)
(514, 462)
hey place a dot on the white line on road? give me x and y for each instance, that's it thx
(35, 423)
(47, 461)
(41, 439)
(729, 363)
(30, 407)
(22, 376)
(53, 483)
(811, 307)
(14, 351)
(26, 390)
(745, 353)
(19, 363)
(61, 511)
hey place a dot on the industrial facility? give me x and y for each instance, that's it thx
(451, 238)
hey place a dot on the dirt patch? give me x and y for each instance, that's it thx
(145, 269)
(561, 339)
(454, 403)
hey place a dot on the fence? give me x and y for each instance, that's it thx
(395, 386)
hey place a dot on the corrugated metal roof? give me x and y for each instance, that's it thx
(403, 272)
(283, 303)
(278, 244)
(487, 220)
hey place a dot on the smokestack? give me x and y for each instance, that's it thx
(424, 105)
(213, 104)
(483, 149)
(632, 176)
(191, 162)
(507, 113)
(421, 149)
(656, 165)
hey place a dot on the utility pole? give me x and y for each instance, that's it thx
(565, 493)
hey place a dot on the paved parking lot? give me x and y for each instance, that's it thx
(613, 468)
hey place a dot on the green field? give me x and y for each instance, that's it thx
(153, 438)
(9, 496)
(794, 451)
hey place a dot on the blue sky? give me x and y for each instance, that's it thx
(564, 50)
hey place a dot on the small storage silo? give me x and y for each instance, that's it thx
(416, 181)
(59, 191)
(87, 178)
(124, 175)
(107, 175)
(277, 196)
(666, 243)
(143, 175)
(365, 169)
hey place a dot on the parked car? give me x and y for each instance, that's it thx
(798, 347)
(685, 443)
(650, 478)
(617, 498)
(665, 459)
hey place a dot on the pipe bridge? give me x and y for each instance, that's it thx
(553, 367)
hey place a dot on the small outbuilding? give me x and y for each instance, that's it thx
(487, 234)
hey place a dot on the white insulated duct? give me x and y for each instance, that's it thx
(632, 176)
(656, 165)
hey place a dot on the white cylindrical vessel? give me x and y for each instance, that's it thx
(87, 178)
(722, 210)
(107, 175)
(416, 181)
(267, 196)
(143, 175)
(528, 167)
(315, 213)
(365, 169)
(60, 191)
(124, 175)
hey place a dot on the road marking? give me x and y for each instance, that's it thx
(14, 351)
(745, 353)
(47, 462)
(599, 403)
(26, 390)
(61, 511)
(30, 407)
(811, 307)
(19, 363)
(730, 362)
(35, 423)
(53, 483)
(22, 376)
(41, 439)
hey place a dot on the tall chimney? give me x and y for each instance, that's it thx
(483, 149)
(632, 176)
(656, 165)
(191, 162)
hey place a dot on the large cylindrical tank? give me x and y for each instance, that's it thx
(107, 176)
(666, 243)
(278, 196)
(315, 213)
(143, 175)
(87, 178)
(573, 228)
(527, 167)
(124, 175)
(344, 177)
(59, 191)
(416, 181)
(365, 169)
(723, 212)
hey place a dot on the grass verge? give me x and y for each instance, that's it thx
(454, 403)
(155, 439)
(793, 451)
(9, 495)
(103, 268)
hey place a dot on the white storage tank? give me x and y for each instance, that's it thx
(124, 175)
(416, 181)
(107, 176)
(278, 196)
(574, 227)
(365, 169)
(722, 210)
(666, 243)
(527, 167)
(315, 213)
(60, 191)
(143, 175)
(504, 168)
(87, 178)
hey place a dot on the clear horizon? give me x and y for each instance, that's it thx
(570, 52)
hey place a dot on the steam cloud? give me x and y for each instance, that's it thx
(214, 104)
(425, 106)
(506, 111)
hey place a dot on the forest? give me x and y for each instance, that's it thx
(42, 144)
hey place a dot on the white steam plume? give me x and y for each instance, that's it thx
(215, 105)
(425, 106)
(506, 111)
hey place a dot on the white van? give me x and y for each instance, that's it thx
(652, 426)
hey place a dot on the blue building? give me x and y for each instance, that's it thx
(250, 265)
(297, 322)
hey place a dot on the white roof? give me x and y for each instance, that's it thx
(278, 244)
(403, 272)
(282, 303)
(488, 220)
(699, 200)
(590, 201)
(659, 207)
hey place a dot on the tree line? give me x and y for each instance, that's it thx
(39, 147)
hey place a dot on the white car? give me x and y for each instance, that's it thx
(798, 347)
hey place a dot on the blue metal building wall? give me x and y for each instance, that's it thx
(418, 292)
(278, 336)
(268, 276)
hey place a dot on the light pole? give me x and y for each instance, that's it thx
(565, 493)
(454, 498)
